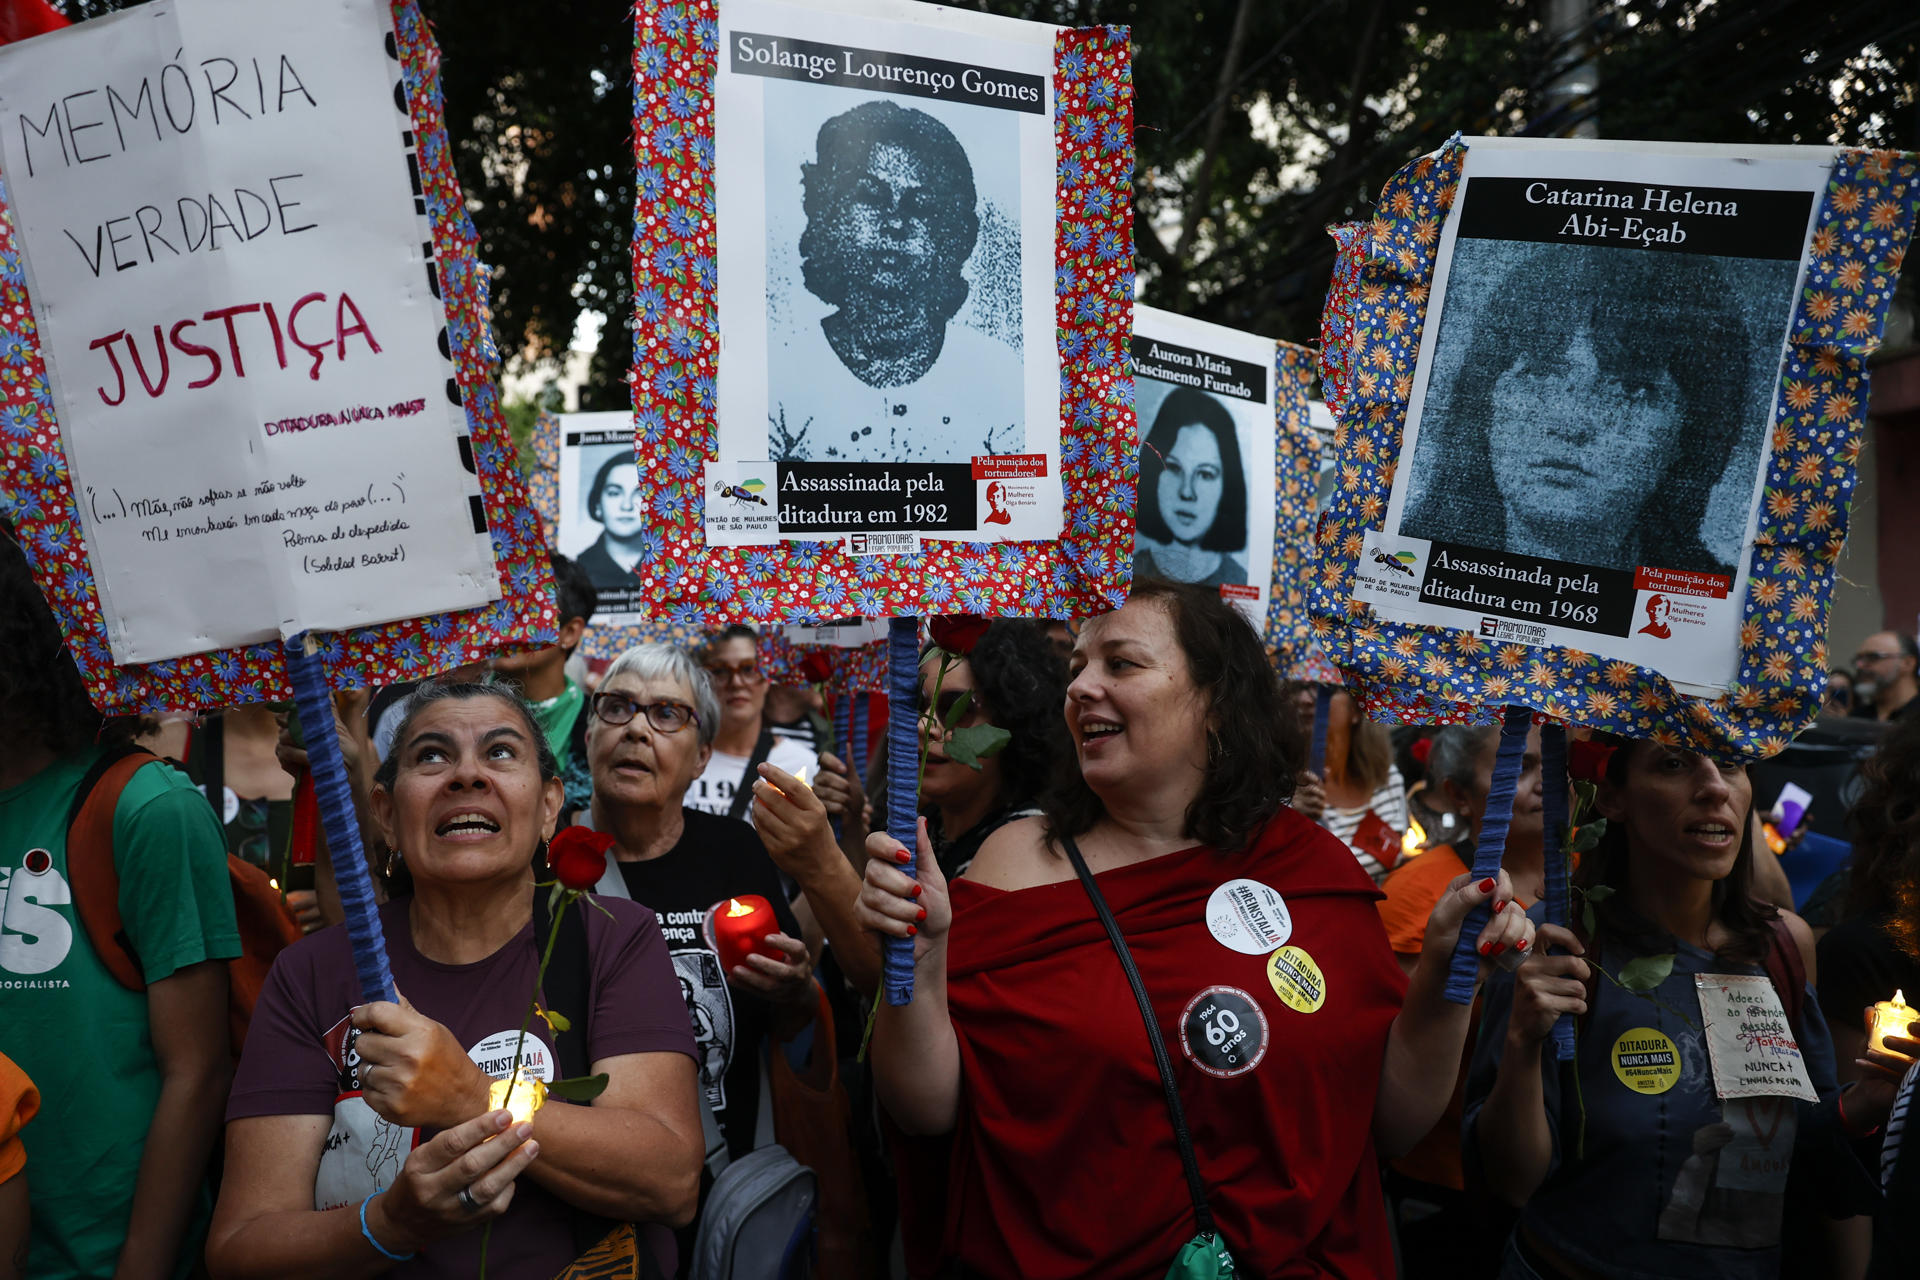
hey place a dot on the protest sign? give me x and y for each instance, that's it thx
(622, 618)
(1606, 476)
(600, 517)
(1213, 404)
(919, 217)
(239, 325)
(210, 596)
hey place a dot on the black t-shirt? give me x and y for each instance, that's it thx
(1859, 963)
(716, 858)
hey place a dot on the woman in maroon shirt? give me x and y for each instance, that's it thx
(358, 1134)
(1257, 941)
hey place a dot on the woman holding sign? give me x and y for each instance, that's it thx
(1258, 951)
(1701, 1103)
(363, 1135)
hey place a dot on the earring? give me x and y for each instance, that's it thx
(545, 861)
(394, 859)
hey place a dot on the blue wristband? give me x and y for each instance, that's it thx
(379, 1248)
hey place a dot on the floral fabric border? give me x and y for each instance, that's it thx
(676, 344)
(36, 495)
(1296, 461)
(1418, 674)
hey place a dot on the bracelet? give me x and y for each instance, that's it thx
(379, 1248)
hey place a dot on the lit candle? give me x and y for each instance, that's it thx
(529, 1095)
(739, 927)
(1890, 1018)
(1414, 842)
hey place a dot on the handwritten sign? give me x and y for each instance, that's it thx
(242, 329)
(1752, 1047)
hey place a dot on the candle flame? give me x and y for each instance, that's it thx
(529, 1094)
(800, 776)
(1898, 997)
(1414, 841)
(735, 907)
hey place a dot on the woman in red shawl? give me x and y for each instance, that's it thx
(1258, 943)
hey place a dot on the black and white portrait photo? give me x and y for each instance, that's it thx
(893, 277)
(1598, 405)
(605, 515)
(1192, 518)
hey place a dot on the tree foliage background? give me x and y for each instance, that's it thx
(1258, 122)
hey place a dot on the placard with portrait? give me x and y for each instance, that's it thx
(1601, 409)
(883, 273)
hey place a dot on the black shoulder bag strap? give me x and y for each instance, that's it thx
(743, 794)
(1202, 1216)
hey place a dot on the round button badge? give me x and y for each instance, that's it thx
(1248, 917)
(1646, 1060)
(1223, 1032)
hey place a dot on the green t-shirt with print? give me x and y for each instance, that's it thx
(80, 1035)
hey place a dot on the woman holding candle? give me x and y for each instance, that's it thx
(1626, 1160)
(655, 715)
(1257, 944)
(379, 1114)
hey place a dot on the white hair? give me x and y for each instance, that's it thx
(671, 662)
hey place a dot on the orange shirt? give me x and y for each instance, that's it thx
(19, 1100)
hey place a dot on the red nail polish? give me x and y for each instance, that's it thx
(911, 930)
(1486, 948)
(1488, 885)
(902, 857)
(1498, 947)
(922, 915)
(1499, 906)
(1523, 944)
(917, 887)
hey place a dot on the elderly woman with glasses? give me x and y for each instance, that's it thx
(654, 719)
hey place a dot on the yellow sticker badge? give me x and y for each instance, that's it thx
(1646, 1060)
(1297, 980)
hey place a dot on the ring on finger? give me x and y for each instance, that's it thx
(468, 1203)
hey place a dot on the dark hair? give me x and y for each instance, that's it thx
(1885, 822)
(1021, 686)
(733, 631)
(1674, 318)
(844, 145)
(1254, 748)
(1186, 407)
(574, 595)
(619, 458)
(1749, 919)
(42, 698)
(432, 692)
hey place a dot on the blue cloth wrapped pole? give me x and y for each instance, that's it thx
(903, 785)
(1317, 749)
(1491, 849)
(857, 740)
(1558, 839)
(842, 734)
(335, 802)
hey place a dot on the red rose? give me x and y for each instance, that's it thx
(1420, 750)
(1587, 760)
(579, 857)
(958, 632)
(816, 667)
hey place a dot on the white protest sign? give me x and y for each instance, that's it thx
(885, 180)
(229, 273)
(602, 512)
(1589, 419)
(1205, 399)
(1749, 1042)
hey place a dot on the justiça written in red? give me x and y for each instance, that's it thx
(297, 329)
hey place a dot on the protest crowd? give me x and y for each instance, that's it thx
(1164, 751)
(626, 850)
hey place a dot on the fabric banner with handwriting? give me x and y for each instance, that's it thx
(1601, 415)
(318, 367)
(913, 222)
(240, 326)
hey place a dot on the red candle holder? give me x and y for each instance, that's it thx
(739, 927)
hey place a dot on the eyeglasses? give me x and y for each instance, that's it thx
(745, 673)
(667, 717)
(1861, 659)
